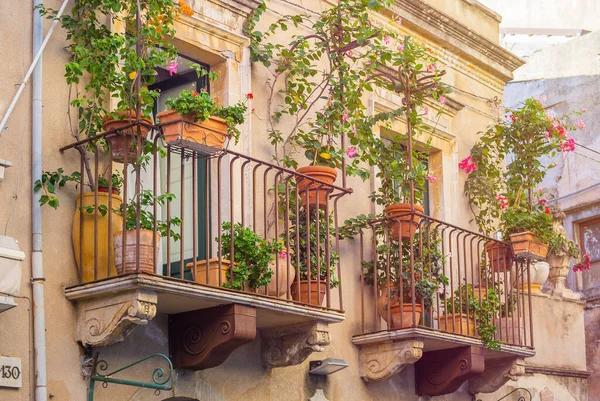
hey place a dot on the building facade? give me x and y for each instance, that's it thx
(266, 356)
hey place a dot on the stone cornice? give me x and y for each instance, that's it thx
(427, 20)
(552, 371)
(240, 7)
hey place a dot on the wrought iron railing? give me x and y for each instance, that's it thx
(198, 197)
(421, 272)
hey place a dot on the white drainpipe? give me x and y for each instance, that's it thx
(37, 261)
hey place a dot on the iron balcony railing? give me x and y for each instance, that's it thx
(201, 197)
(417, 271)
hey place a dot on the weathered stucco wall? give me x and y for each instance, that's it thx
(215, 36)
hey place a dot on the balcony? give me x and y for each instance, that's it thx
(218, 240)
(460, 306)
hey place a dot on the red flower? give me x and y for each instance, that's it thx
(195, 93)
(547, 210)
(542, 201)
(250, 96)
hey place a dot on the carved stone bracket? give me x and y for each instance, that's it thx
(497, 373)
(205, 338)
(108, 320)
(381, 361)
(443, 372)
(291, 345)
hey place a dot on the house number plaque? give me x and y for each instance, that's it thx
(11, 374)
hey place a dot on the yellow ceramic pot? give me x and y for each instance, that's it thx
(106, 260)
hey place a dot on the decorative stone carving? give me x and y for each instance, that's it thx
(560, 262)
(381, 361)
(105, 321)
(497, 373)
(444, 371)
(205, 338)
(291, 345)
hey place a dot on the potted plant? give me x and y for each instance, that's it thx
(51, 182)
(509, 195)
(253, 258)
(463, 311)
(311, 251)
(149, 242)
(118, 63)
(194, 116)
(399, 163)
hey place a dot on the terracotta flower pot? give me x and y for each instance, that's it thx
(480, 290)
(124, 143)
(404, 227)
(211, 132)
(499, 255)
(148, 254)
(281, 279)
(457, 323)
(105, 251)
(326, 174)
(525, 244)
(213, 271)
(317, 292)
(401, 316)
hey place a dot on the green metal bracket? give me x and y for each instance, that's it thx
(158, 382)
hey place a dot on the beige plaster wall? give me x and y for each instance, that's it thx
(215, 35)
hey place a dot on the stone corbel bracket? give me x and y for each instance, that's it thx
(291, 345)
(104, 321)
(497, 373)
(381, 361)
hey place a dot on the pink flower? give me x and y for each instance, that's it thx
(580, 125)
(541, 98)
(351, 152)
(345, 117)
(512, 117)
(562, 133)
(386, 39)
(584, 264)
(425, 110)
(282, 254)
(399, 21)
(542, 201)
(441, 290)
(547, 135)
(568, 145)
(467, 165)
(443, 99)
(448, 254)
(431, 178)
(349, 53)
(502, 201)
(354, 129)
(401, 47)
(172, 68)
(431, 67)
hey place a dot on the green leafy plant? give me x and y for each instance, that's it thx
(252, 255)
(52, 181)
(147, 199)
(502, 190)
(483, 310)
(201, 106)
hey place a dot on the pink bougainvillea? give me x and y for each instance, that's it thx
(568, 145)
(467, 165)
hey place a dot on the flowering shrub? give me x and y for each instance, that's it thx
(323, 77)
(505, 198)
(200, 106)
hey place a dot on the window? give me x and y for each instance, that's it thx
(170, 84)
(589, 241)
